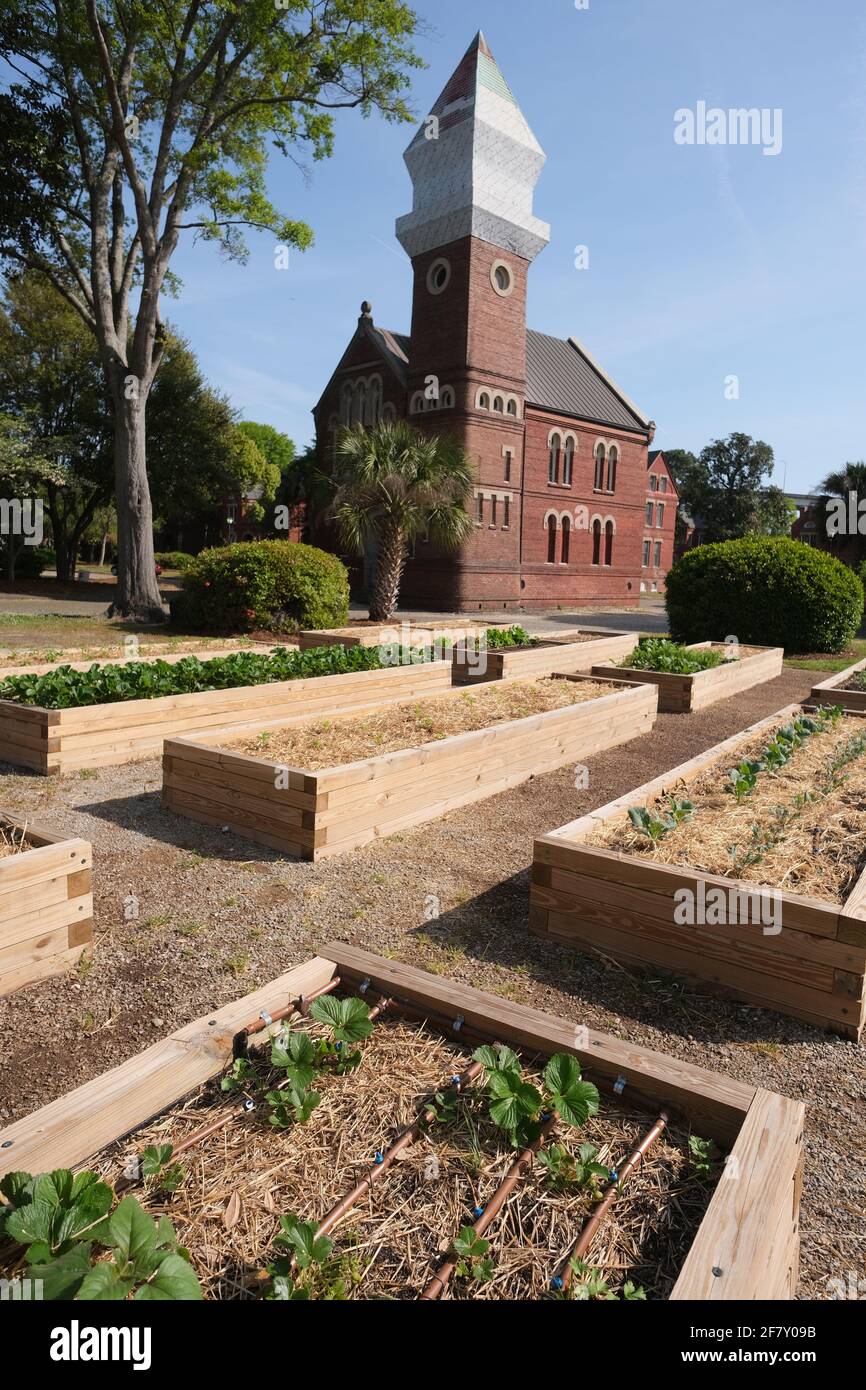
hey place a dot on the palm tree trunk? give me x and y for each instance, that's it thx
(390, 565)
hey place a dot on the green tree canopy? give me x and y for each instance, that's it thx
(392, 483)
(724, 486)
(131, 123)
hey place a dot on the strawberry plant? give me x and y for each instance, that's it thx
(704, 1157)
(564, 1170)
(348, 1021)
(158, 1171)
(311, 1270)
(589, 1285)
(81, 1248)
(520, 1108)
(473, 1261)
(239, 1075)
(291, 1105)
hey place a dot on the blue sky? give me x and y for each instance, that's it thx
(704, 262)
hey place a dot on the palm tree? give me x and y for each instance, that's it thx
(392, 483)
(839, 484)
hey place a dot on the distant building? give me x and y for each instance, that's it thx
(564, 482)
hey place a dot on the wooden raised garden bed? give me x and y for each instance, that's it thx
(575, 650)
(802, 955)
(681, 694)
(370, 634)
(46, 903)
(738, 1241)
(56, 741)
(833, 691)
(319, 813)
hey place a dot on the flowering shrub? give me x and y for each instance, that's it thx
(278, 585)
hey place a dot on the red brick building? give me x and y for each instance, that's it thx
(561, 503)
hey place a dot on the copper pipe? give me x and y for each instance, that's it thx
(259, 1024)
(611, 1192)
(385, 1160)
(441, 1279)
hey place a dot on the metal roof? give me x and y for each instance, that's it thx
(561, 376)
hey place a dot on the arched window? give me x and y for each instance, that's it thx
(447, 398)
(346, 403)
(359, 401)
(596, 542)
(568, 461)
(417, 403)
(566, 540)
(599, 467)
(611, 470)
(498, 405)
(484, 401)
(512, 406)
(389, 413)
(553, 462)
(374, 400)
(551, 540)
(608, 543)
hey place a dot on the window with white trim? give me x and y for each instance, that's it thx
(646, 553)
(660, 516)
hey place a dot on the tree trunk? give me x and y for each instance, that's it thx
(137, 595)
(103, 549)
(390, 564)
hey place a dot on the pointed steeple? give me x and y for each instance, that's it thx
(474, 164)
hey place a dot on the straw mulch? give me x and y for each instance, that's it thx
(241, 1180)
(320, 743)
(821, 848)
(12, 840)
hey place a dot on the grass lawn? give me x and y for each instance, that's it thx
(815, 662)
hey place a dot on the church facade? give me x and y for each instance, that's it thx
(569, 507)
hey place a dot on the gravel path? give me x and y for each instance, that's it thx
(218, 916)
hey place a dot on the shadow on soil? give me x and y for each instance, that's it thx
(472, 931)
(482, 930)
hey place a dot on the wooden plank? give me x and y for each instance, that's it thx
(749, 1228)
(717, 1102)
(57, 964)
(71, 1129)
(679, 693)
(710, 963)
(566, 891)
(24, 926)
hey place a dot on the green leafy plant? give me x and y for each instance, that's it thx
(743, 778)
(520, 1108)
(654, 827)
(66, 688)
(348, 1021)
(310, 1270)
(278, 585)
(239, 1075)
(588, 1284)
(660, 654)
(704, 1157)
(158, 1170)
(498, 638)
(473, 1261)
(680, 811)
(82, 1249)
(292, 1105)
(564, 1169)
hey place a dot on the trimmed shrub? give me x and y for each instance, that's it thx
(31, 560)
(767, 590)
(174, 560)
(278, 585)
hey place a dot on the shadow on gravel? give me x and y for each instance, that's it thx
(144, 815)
(473, 931)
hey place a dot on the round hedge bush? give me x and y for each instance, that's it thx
(767, 590)
(279, 585)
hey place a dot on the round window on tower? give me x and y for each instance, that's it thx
(501, 278)
(438, 276)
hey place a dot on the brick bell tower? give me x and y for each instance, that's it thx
(471, 237)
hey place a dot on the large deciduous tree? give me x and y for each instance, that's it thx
(51, 381)
(726, 486)
(130, 122)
